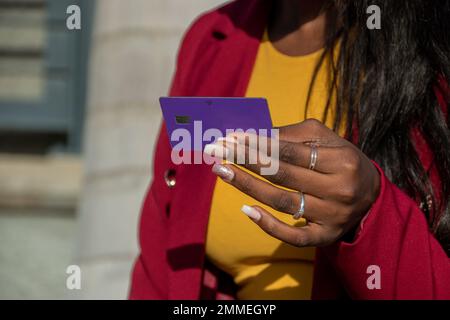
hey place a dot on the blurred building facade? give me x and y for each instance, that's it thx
(42, 94)
(79, 115)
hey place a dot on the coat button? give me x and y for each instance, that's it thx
(169, 177)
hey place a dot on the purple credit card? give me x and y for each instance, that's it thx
(206, 118)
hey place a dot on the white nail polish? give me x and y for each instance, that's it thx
(251, 212)
(228, 139)
(215, 150)
(224, 172)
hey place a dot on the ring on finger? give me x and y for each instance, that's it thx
(301, 209)
(313, 157)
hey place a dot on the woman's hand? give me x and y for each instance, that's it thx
(337, 193)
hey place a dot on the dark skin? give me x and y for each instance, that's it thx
(296, 27)
(345, 183)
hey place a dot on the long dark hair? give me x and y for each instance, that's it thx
(385, 83)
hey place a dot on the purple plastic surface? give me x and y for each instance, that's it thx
(214, 113)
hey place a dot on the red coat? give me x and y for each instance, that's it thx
(216, 59)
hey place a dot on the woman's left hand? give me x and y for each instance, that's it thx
(337, 193)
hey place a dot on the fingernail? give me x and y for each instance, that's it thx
(251, 212)
(224, 172)
(229, 139)
(216, 150)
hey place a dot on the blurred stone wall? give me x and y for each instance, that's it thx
(39, 185)
(38, 196)
(133, 51)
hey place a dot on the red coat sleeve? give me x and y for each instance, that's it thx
(395, 237)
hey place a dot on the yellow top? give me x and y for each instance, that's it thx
(264, 267)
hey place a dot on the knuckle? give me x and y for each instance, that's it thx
(284, 203)
(271, 228)
(281, 176)
(313, 123)
(315, 129)
(245, 184)
(287, 152)
(314, 126)
(348, 194)
(351, 161)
